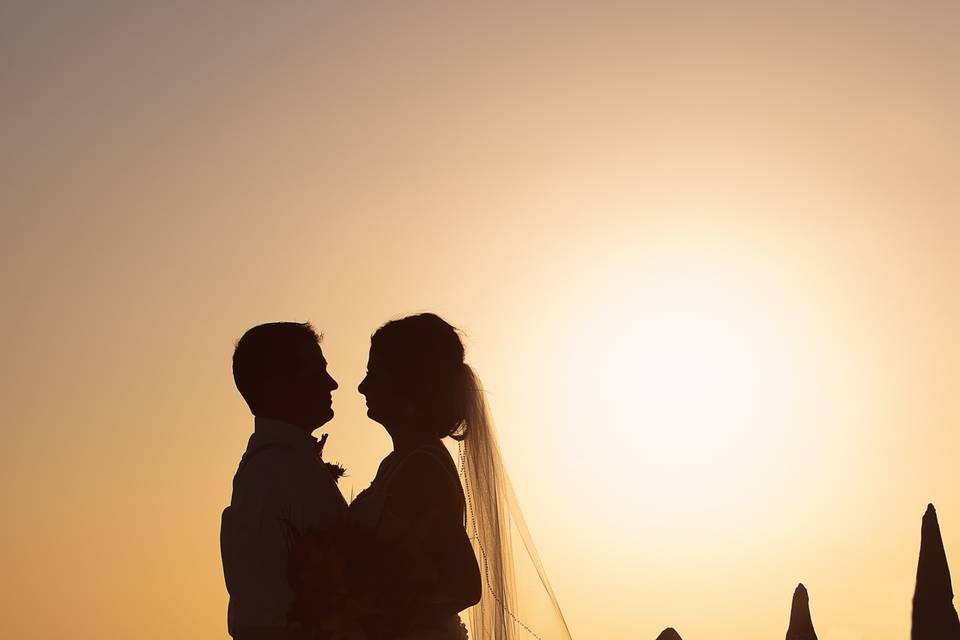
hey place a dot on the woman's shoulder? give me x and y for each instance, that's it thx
(429, 460)
(426, 475)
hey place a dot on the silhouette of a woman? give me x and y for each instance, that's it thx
(425, 527)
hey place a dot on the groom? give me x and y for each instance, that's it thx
(281, 489)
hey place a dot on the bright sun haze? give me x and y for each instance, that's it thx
(689, 375)
(704, 255)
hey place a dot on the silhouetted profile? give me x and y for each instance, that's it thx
(669, 634)
(282, 490)
(934, 617)
(801, 625)
(425, 522)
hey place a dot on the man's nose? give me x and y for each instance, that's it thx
(333, 383)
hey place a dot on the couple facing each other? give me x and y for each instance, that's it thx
(405, 557)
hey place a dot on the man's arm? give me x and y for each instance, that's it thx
(255, 548)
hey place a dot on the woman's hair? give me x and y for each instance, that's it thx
(425, 356)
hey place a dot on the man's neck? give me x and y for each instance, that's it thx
(290, 421)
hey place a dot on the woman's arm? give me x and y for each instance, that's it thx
(429, 498)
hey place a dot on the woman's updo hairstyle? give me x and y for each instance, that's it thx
(424, 355)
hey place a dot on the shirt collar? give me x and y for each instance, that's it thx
(272, 431)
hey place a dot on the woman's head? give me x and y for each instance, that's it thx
(416, 376)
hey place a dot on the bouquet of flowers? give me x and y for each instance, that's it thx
(348, 588)
(325, 599)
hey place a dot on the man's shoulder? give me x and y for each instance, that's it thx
(266, 476)
(266, 452)
(273, 463)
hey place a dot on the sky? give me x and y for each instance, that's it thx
(704, 255)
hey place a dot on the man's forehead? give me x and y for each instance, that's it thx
(311, 352)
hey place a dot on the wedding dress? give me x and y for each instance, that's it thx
(517, 600)
(395, 549)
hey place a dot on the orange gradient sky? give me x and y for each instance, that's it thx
(706, 256)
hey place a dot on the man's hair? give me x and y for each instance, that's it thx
(268, 352)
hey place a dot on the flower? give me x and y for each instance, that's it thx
(336, 470)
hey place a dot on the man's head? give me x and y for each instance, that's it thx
(280, 371)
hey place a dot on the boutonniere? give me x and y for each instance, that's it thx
(336, 471)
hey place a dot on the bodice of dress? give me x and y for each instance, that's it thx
(395, 548)
(369, 508)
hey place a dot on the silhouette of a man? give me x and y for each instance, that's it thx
(281, 489)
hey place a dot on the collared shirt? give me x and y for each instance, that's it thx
(281, 489)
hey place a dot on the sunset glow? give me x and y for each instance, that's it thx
(697, 382)
(705, 257)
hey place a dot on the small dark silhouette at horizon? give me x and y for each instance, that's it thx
(934, 616)
(801, 624)
(669, 634)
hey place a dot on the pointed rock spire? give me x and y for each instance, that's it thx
(669, 634)
(801, 625)
(934, 616)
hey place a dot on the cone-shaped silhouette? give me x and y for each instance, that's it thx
(669, 634)
(801, 625)
(934, 617)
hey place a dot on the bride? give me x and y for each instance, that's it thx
(434, 540)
